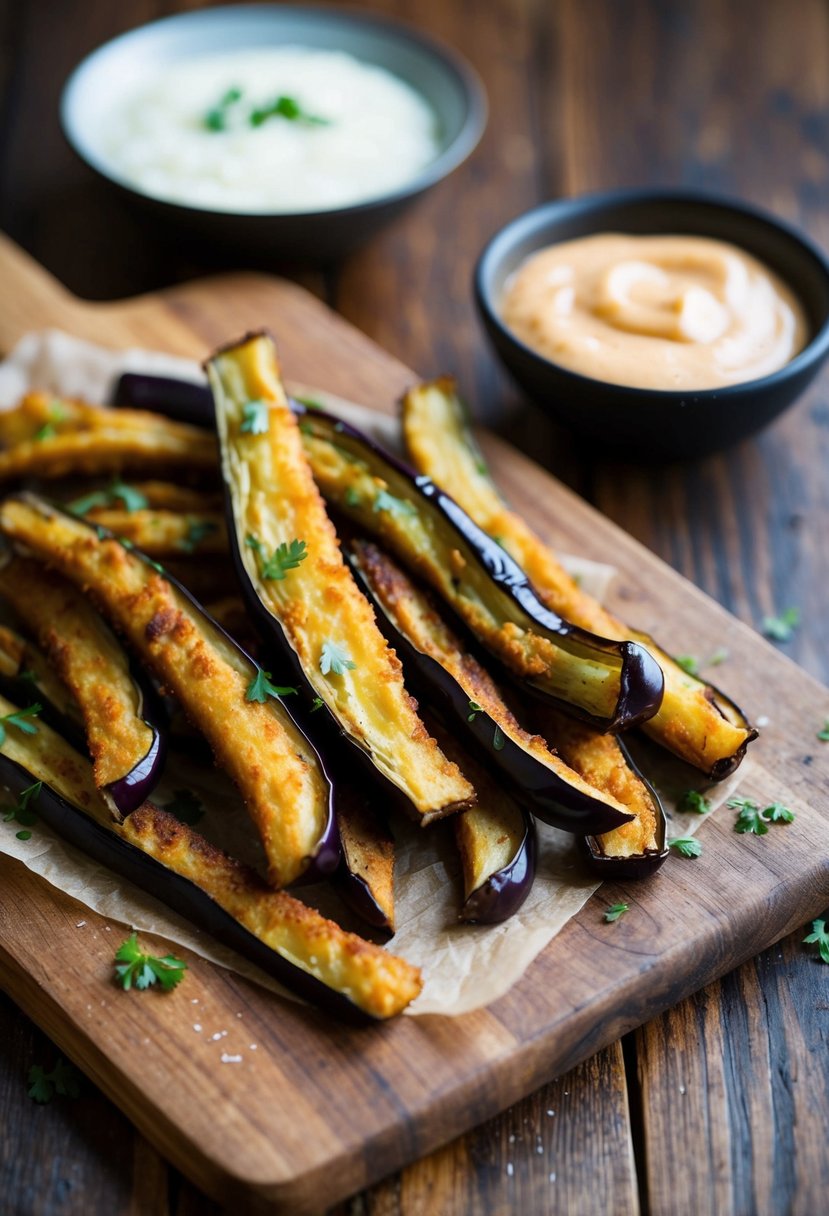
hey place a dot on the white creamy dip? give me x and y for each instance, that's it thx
(213, 133)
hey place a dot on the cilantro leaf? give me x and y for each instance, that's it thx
(22, 811)
(197, 530)
(777, 813)
(285, 557)
(686, 846)
(118, 491)
(335, 658)
(383, 501)
(260, 688)
(186, 807)
(819, 937)
(693, 800)
(615, 911)
(64, 1080)
(20, 719)
(781, 628)
(750, 820)
(135, 968)
(474, 710)
(823, 735)
(255, 418)
(285, 107)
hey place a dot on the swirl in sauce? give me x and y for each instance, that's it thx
(659, 312)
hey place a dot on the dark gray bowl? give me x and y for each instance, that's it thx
(445, 80)
(647, 422)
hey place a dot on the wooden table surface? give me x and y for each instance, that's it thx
(720, 1105)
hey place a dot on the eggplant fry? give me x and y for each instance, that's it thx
(176, 864)
(27, 675)
(300, 591)
(82, 439)
(366, 879)
(127, 749)
(162, 533)
(470, 697)
(695, 721)
(259, 745)
(612, 684)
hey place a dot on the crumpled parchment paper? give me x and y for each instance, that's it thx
(464, 966)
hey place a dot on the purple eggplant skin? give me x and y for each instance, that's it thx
(641, 679)
(134, 788)
(173, 890)
(179, 400)
(503, 893)
(357, 894)
(638, 865)
(326, 857)
(544, 793)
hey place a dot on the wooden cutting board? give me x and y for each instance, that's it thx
(316, 1111)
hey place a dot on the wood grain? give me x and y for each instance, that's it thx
(302, 1135)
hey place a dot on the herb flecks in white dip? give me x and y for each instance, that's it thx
(287, 129)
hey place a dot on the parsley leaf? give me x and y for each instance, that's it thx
(686, 846)
(334, 658)
(823, 735)
(615, 911)
(693, 800)
(21, 811)
(216, 118)
(64, 1080)
(186, 807)
(352, 497)
(255, 418)
(285, 557)
(316, 704)
(285, 107)
(474, 710)
(781, 628)
(310, 403)
(197, 530)
(777, 813)
(134, 967)
(688, 662)
(118, 491)
(384, 501)
(498, 739)
(260, 688)
(20, 719)
(750, 820)
(819, 937)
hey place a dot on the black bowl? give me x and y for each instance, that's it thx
(648, 422)
(443, 78)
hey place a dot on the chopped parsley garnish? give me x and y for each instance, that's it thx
(260, 688)
(615, 911)
(285, 557)
(64, 1080)
(197, 531)
(316, 704)
(22, 811)
(216, 118)
(688, 662)
(118, 491)
(20, 719)
(498, 739)
(686, 846)
(754, 821)
(335, 658)
(310, 403)
(823, 735)
(134, 968)
(384, 501)
(474, 710)
(285, 107)
(47, 431)
(819, 937)
(781, 628)
(718, 657)
(186, 807)
(352, 498)
(481, 466)
(693, 800)
(255, 418)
